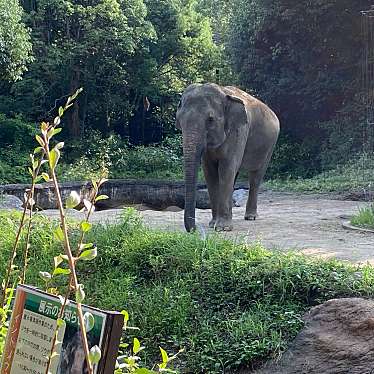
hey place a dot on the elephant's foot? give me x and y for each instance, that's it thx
(223, 225)
(212, 223)
(250, 216)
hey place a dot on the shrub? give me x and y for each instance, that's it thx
(84, 160)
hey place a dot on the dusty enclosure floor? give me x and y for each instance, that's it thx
(311, 224)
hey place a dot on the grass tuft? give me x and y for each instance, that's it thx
(364, 218)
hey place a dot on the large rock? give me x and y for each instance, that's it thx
(239, 197)
(338, 338)
(10, 202)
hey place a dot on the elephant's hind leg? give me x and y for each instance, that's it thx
(255, 179)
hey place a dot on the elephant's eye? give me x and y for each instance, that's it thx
(210, 119)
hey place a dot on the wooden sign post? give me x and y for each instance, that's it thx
(32, 328)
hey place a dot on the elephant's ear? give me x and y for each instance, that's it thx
(236, 113)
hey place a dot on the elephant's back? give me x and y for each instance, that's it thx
(259, 108)
(245, 96)
(262, 137)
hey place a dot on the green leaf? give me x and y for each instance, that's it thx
(60, 145)
(35, 163)
(73, 200)
(95, 354)
(56, 122)
(45, 176)
(39, 140)
(50, 133)
(77, 92)
(89, 321)
(38, 150)
(85, 226)
(44, 126)
(54, 156)
(60, 111)
(60, 322)
(79, 293)
(85, 246)
(58, 234)
(57, 260)
(59, 271)
(136, 346)
(89, 254)
(101, 197)
(45, 275)
(164, 355)
(144, 371)
(125, 316)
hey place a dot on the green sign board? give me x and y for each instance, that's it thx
(33, 326)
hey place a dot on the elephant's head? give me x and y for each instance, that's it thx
(206, 115)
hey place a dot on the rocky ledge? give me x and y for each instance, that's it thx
(154, 194)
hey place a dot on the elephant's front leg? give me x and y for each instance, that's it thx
(227, 173)
(210, 168)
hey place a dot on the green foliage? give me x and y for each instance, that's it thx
(228, 304)
(16, 142)
(364, 218)
(355, 175)
(121, 159)
(121, 51)
(293, 159)
(15, 45)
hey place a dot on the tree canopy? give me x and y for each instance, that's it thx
(120, 51)
(134, 57)
(15, 45)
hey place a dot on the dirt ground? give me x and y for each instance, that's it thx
(311, 224)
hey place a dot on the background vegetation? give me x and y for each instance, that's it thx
(134, 58)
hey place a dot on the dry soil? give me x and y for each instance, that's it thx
(311, 224)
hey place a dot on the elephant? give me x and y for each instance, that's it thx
(225, 129)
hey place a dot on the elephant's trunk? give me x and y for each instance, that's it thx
(192, 155)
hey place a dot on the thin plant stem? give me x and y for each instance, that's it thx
(27, 244)
(18, 236)
(60, 315)
(70, 287)
(68, 252)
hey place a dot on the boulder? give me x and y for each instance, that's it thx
(10, 202)
(239, 197)
(338, 338)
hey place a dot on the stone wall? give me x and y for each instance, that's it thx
(155, 194)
